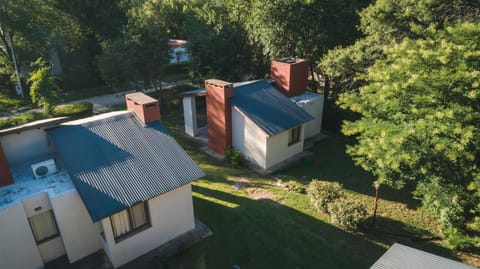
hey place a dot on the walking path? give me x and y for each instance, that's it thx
(101, 103)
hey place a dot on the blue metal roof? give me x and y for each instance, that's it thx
(116, 162)
(268, 108)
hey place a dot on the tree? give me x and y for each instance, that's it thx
(43, 86)
(29, 29)
(388, 21)
(307, 29)
(420, 121)
(218, 43)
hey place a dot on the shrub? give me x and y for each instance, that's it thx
(294, 186)
(322, 193)
(459, 240)
(348, 213)
(78, 110)
(21, 119)
(234, 157)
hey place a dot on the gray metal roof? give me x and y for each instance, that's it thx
(115, 161)
(402, 257)
(268, 108)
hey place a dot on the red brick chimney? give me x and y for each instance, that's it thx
(290, 75)
(145, 107)
(5, 174)
(219, 114)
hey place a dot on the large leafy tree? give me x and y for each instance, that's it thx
(141, 52)
(302, 28)
(388, 21)
(29, 29)
(420, 121)
(218, 42)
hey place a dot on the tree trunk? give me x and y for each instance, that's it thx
(375, 205)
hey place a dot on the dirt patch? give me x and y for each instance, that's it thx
(260, 194)
(241, 183)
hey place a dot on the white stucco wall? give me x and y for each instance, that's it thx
(171, 215)
(249, 139)
(17, 245)
(53, 248)
(26, 146)
(190, 115)
(278, 149)
(315, 108)
(81, 237)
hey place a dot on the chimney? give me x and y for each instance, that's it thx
(290, 75)
(145, 107)
(219, 114)
(5, 174)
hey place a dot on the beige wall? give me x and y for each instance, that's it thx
(53, 248)
(80, 235)
(26, 146)
(249, 139)
(315, 109)
(278, 149)
(17, 245)
(171, 215)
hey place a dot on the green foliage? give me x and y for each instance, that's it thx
(348, 213)
(323, 193)
(140, 53)
(295, 186)
(388, 21)
(79, 110)
(234, 157)
(420, 120)
(43, 87)
(20, 119)
(9, 104)
(458, 240)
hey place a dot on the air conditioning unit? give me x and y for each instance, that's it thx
(44, 168)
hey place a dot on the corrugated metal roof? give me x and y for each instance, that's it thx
(268, 108)
(402, 257)
(116, 162)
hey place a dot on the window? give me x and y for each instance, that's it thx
(294, 135)
(44, 227)
(130, 221)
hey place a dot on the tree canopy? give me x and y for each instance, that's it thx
(420, 120)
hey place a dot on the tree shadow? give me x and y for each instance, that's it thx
(389, 231)
(266, 234)
(331, 163)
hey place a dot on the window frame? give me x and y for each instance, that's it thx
(132, 231)
(292, 140)
(51, 237)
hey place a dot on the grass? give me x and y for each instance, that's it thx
(175, 77)
(282, 230)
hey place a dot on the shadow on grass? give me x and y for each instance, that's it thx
(390, 231)
(265, 234)
(331, 163)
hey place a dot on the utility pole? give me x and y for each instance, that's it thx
(19, 87)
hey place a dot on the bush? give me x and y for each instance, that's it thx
(294, 186)
(234, 157)
(348, 213)
(459, 240)
(21, 119)
(79, 110)
(322, 193)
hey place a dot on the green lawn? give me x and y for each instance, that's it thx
(281, 230)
